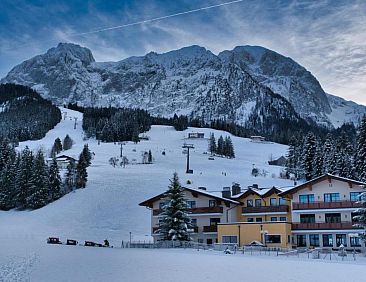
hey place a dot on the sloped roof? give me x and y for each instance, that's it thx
(320, 179)
(149, 202)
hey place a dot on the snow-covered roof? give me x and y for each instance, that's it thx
(149, 202)
(320, 179)
(262, 192)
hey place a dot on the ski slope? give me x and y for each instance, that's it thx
(108, 206)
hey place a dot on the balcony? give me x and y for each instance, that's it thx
(323, 225)
(210, 228)
(193, 230)
(265, 209)
(325, 205)
(202, 210)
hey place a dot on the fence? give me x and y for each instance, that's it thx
(303, 253)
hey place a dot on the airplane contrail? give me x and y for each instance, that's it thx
(155, 19)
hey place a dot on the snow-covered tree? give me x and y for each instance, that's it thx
(7, 184)
(212, 144)
(70, 176)
(309, 155)
(360, 162)
(67, 143)
(318, 160)
(55, 191)
(56, 148)
(40, 185)
(175, 222)
(87, 155)
(150, 157)
(24, 178)
(113, 161)
(81, 172)
(229, 147)
(220, 146)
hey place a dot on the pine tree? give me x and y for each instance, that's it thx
(292, 156)
(70, 176)
(56, 148)
(24, 178)
(87, 155)
(7, 185)
(318, 160)
(309, 155)
(220, 146)
(328, 154)
(229, 148)
(150, 158)
(40, 186)
(360, 162)
(176, 222)
(81, 172)
(67, 143)
(212, 144)
(54, 181)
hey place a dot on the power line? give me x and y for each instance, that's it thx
(155, 19)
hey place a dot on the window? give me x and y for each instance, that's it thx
(306, 198)
(214, 221)
(162, 205)
(249, 203)
(301, 240)
(307, 218)
(327, 240)
(229, 239)
(332, 217)
(283, 218)
(282, 201)
(258, 219)
(191, 204)
(250, 219)
(354, 196)
(331, 197)
(212, 203)
(160, 221)
(194, 221)
(200, 241)
(273, 202)
(258, 202)
(314, 240)
(341, 239)
(273, 218)
(355, 242)
(273, 239)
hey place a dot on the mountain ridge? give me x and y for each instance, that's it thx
(232, 85)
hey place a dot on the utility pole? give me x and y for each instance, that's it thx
(121, 153)
(188, 146)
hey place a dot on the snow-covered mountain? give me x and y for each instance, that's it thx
(240, 85)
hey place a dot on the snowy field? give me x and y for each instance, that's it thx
(108, 208)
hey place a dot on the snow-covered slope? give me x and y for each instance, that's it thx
(108, 207)
(233, 85)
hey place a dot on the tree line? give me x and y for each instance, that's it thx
(24, 114)
(223, 147)
(27, 182)
(339, 154)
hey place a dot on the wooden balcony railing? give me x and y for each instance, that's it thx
(210, 228)
(323, 225)
(196, 210)
(325, 205)
(280, 208)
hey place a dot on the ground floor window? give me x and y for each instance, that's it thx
(273, 218)
(283, 218)
(258, 219)
(355, 242)
(273, 239)
(227, 239)
(327, 240)
(250, 219)
(341, 239)
(301, 240)
(314, 240)
(209, 241)
(200, 241)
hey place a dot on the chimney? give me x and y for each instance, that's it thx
(226, 192)
(235, 189)
(202, 188)
(255, 186)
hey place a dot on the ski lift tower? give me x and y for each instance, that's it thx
(121, 150)
(188, 146)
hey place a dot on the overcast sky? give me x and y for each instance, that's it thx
(328, 37)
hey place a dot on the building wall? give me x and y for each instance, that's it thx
(228, 215)
(252, 231)
(265, 202)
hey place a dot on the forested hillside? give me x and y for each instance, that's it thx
(24, 114)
